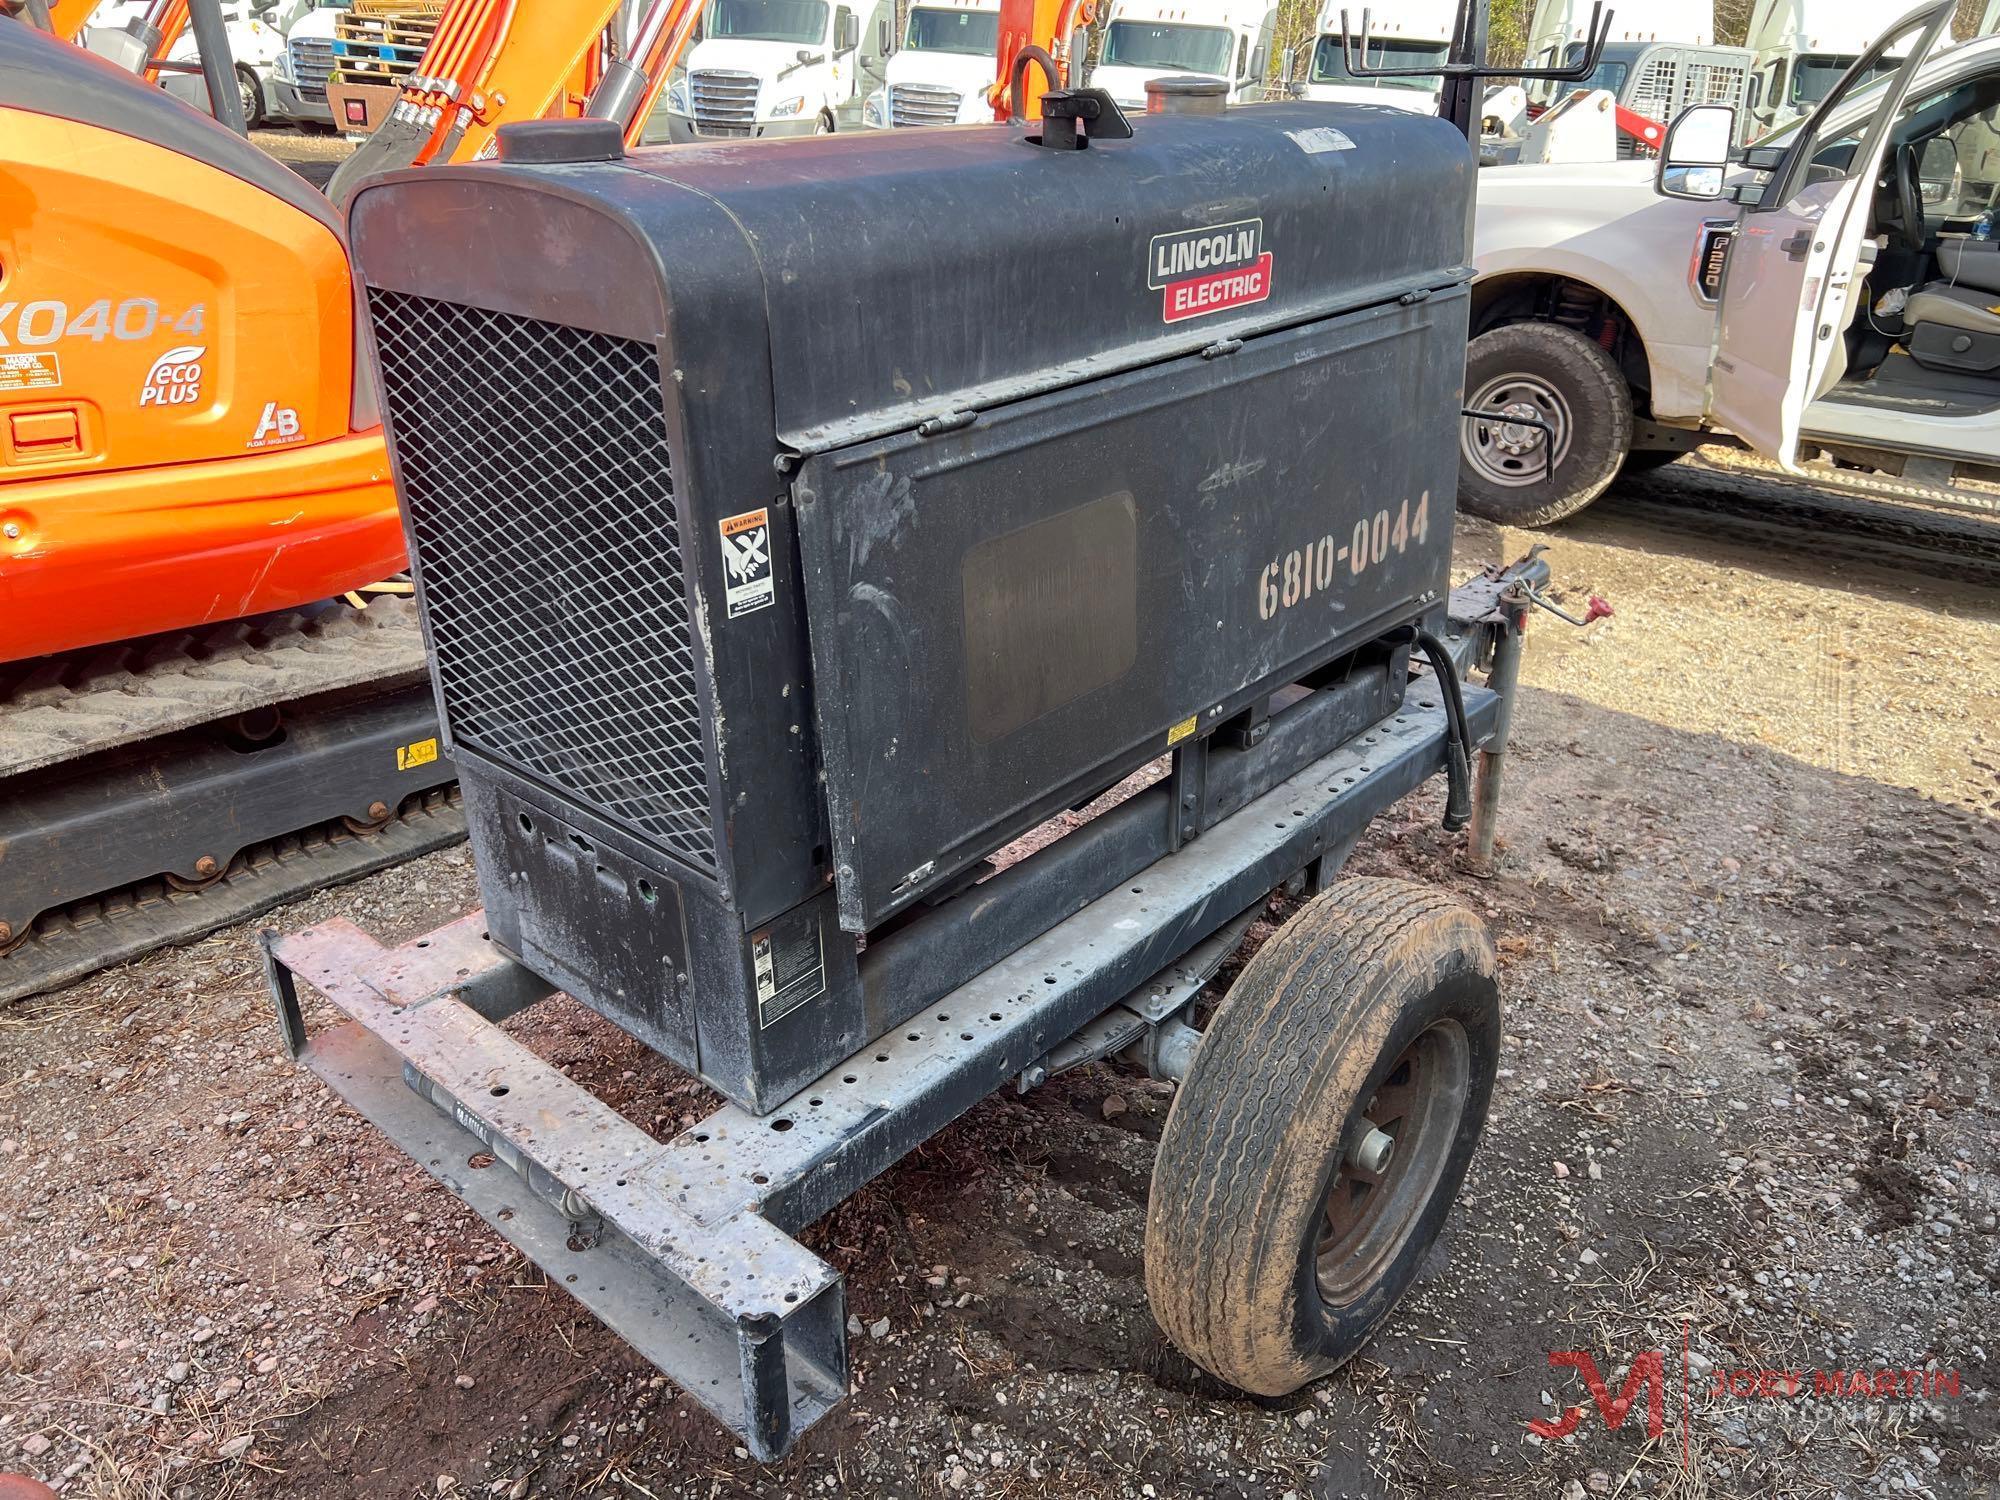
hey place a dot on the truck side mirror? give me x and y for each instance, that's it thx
(1696, 152)
(846, 30)
(883, 37)
(1288, 60)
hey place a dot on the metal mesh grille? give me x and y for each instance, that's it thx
(534, 470)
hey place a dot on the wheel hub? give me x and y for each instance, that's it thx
(1399, 1143)
(1522, 433)
(1518, 437)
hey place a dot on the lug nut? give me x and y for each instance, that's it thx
(1372, 1152)
(205, 866)
(6, 932)
(378, 811)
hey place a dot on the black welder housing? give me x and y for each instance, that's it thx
(797, 523)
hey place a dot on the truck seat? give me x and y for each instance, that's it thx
(1954, 322)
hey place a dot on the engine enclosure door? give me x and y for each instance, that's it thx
(1792, 272)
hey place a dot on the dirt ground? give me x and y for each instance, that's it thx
(1749, 916)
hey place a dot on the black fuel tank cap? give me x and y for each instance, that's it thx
(553, 142)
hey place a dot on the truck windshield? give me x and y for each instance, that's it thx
(1330, 62)
(1170, 49)
(799, 21)
(1815, 74)
(1613, 67)
(975, 33)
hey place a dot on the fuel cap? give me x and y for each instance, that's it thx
(1186, 96)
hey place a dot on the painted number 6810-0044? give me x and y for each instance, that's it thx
(33, 324)
(1297, 576)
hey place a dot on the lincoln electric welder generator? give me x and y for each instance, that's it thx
(900, 609)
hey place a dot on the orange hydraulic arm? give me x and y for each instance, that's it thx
(67, 17)
(1051, 25)
(491, 62)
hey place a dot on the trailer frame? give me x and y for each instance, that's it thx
(684, 1247)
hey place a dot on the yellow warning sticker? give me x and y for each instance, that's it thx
(422, 753)
(29, 372)
(1182, 730)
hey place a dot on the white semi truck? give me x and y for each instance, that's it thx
(938, 72)
(1401, 34)
(1226, 39)
(1823, 295)
(1801, 48)
(765, 68)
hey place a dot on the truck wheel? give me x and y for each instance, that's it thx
(251, 92)
(1555, 374)
(824, 124)
(1322, 1132)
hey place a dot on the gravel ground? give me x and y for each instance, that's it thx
(1746, 1117)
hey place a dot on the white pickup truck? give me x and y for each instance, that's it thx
(1820, 295)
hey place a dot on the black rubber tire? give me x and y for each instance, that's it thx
(253, 103)
(1295, 1051)
(1600, 406)
(1645, 460)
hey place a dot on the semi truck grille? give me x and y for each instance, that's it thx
(921, 104)
(533, 466)
(725, 103)
(312, 62)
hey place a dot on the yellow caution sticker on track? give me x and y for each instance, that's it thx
(422, 753)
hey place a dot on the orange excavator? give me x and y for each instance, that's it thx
(194, 725)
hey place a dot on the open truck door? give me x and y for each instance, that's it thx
(1793, 270)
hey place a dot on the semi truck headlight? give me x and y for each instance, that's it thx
(677, 95)
(283, 67)
(875, 108)
(788, 106)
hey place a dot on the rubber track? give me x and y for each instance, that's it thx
(60, 708)
(1225, 1146)
(70, 943)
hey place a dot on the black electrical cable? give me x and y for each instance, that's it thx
(1458, 739)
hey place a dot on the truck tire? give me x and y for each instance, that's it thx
(1273, 1250)
(251, 93)
(1548, 371)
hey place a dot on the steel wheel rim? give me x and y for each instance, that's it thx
(1366, 1217)
(246, 98)
(1510, 453)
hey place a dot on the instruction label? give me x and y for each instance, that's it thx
(29, 372)
(746, 562)
(788, 959)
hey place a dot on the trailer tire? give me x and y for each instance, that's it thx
(1380, 993)
(1556, 374)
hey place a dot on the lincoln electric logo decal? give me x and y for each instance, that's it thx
(1203, 271)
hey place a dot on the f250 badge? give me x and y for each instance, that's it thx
(1203, 271)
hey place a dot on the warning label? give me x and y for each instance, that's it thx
(789, 962)
(746, 562)
(29, 372)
